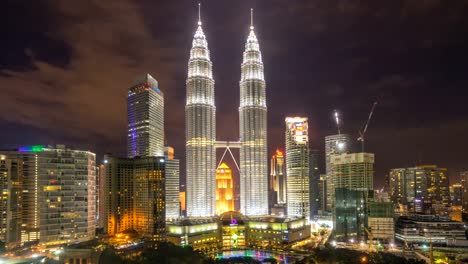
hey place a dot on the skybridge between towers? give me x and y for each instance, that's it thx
(227, 145)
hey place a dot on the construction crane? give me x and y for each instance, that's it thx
(371, 239)
(363, 130)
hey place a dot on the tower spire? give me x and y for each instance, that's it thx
(199, 14)
(251, 19)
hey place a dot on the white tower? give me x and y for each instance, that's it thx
(200, 124)
(253, 131)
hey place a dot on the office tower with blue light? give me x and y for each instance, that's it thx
(145, 109)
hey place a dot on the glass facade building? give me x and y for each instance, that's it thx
(253, 131)
(297, 166)
(334, 144)
(145, 109)
(135, 196)
(353, 187)
(200, 125)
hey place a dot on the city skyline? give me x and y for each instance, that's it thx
(55, 64)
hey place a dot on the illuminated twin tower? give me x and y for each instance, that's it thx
(200, 122)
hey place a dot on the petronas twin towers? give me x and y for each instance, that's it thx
(200, 122)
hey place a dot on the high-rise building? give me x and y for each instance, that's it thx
(135, 196)
(10, 201)
(253, 131)
(353, 175)
(172, 184)
(145, 108)
(334, 144)
(421, 189)
(58, 194)
(277, 179)
(456, 194)
(224, 189)
(200, 124)
(297, 166)
(100, 194)
(322, 193)
(314, 179)
(464, 183)
(353, 171)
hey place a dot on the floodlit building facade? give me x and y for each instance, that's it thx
(58, 193)
(200, 125)
(421, 189)
(145, 109)
(135, 196)
(224, 189)
(297, 166)
(334, 144)
(234, 231)
(253, 131)
(278, 179)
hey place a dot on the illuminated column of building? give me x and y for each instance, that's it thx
(253, 131)
(145, 109)
(200, 124)
(278, 177)
(297, 166)
(224, 189)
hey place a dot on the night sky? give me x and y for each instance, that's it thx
(65, 67)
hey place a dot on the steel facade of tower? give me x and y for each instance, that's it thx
(334, 144)
(145, 108)
(200, 125)
(253, 131)
(297, 166)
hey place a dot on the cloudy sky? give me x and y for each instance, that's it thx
(65, 67)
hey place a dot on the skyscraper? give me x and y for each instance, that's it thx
(224, 189)
(353, 175)
(314, 182)
(135, 196)
(172, 184)
(200, 125)
(253, 131)
(278, 178)
(334, 144)
(420, 189)
(297, 166)
(145, 109)
(464, 183)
